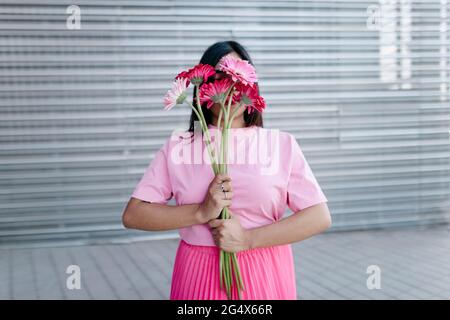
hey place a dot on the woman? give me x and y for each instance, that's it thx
(257, 200)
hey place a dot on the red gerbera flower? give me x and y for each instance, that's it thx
(198, 74)
(214, 92)
(259, 105)
(248, 96)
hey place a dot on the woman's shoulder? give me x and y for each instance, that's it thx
(177, 136)
(172, 139)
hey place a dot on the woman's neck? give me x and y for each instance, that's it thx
(238, 122)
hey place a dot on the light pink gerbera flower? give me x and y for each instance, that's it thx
(214, 92)
(248, 96)
(198, 74)
(177, 94)
(239, 70)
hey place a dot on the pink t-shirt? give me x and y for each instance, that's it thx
(267, 168)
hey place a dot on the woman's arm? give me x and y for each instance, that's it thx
(297, 227)
(230, 236)
(148, 216)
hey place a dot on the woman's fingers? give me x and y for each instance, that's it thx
(222, 183)
(216, 232)
(216, 223)
(222, 177)
(227, 195)
(226, 186)
(218, 197)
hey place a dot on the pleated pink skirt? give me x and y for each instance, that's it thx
(268, 273)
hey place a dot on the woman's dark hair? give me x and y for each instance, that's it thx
(212, 56)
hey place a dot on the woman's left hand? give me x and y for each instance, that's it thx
(229, 235)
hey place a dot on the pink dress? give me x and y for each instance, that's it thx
(269, 173)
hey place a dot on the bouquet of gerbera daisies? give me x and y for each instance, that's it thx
(237, 88)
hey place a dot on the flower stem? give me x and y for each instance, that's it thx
(227, 274)
(221, 269)
(222, 138)
(216, 142)
(233, 114)
(238, 272)
(208, 137)
(229, 268)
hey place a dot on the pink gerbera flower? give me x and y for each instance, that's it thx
(239, 70)
(214, 92)
(177, 94)
(248, 96)
(198, 74)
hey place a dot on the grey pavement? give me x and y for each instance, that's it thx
(414, 263)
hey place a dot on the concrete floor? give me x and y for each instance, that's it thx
(414, 263)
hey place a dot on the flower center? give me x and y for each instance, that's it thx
(218, 97)
(197, 81)
(246, 100)
(181, 97)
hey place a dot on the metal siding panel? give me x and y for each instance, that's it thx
(80, 110)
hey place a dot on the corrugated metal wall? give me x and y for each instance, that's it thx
(363, 85)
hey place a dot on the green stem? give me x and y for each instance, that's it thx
(226, 111)
(228, 261)
(238, 272)
(230, 275)
(208, 138)
(216, 144)
(221, 269)
(233, 115)
(226, 132)
(199, 106)
(221, 154)
(227, 274)
(237, 276)
(227, 95)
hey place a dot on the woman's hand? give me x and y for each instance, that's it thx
(216, 198)
(229, 235)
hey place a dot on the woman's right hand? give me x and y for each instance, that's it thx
(216, 199)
